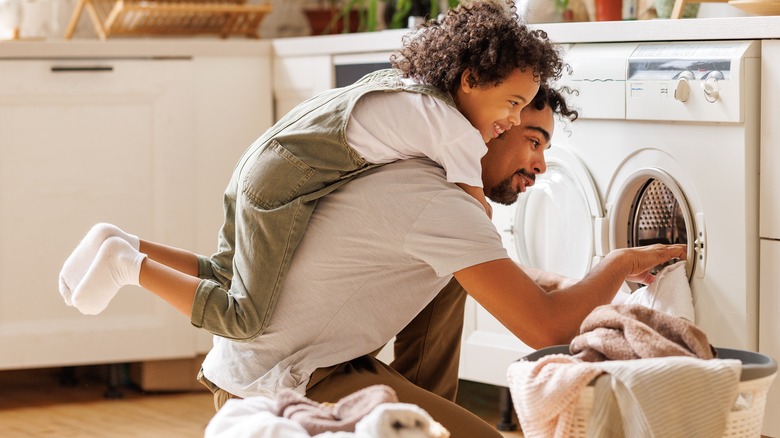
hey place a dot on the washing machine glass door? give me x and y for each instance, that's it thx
(555, 219)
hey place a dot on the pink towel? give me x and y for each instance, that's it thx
(342, 416)
(630, 331)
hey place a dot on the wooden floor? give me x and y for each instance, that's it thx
(50, 403)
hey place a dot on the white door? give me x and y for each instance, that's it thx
(82, 142)
(555, 226)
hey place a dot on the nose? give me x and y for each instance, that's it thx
(539, 165)
(514, 116)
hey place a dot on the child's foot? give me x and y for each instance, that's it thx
(81, 258)
(116, 264)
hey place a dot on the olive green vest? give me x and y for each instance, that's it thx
(270, 198)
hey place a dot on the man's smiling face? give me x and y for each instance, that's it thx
(515, 158)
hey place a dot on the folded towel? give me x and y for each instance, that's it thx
(632, 331)
(317, 418)
(670, 293)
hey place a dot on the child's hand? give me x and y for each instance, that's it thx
(478, 194)
(488, 209)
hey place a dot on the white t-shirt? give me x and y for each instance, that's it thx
(387, 127)
(375, 253)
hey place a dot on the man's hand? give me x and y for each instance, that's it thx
(644, 258)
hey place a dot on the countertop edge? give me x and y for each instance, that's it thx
(134, 48)
(699, 29)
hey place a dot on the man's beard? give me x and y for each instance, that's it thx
(505, 193)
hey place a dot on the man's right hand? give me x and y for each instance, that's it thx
(643, 259)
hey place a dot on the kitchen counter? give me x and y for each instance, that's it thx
(605, 31)
(388, 40)
(134, 48)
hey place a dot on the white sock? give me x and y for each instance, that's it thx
(116, 264)
(81, 258)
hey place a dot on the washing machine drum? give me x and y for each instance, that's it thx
(656, 216)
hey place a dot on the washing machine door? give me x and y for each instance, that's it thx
(555, 225)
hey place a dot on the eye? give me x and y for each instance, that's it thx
(535, 143)
(513, 103)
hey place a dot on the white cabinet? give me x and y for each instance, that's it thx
(297, 78)
(488, 348)
(769, 227)
(769, 326)
(147, 144)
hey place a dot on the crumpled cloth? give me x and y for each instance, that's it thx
(399, 420)
(255, 417)
(343, 415)
(670, 293)
(545, 393)
(632, 331)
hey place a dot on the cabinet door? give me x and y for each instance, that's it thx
(299, 78)
(769, 326)
(84, 142)
(488, 348)
(769, 202)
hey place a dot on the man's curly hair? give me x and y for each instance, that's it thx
(484, 36)
(548, 96)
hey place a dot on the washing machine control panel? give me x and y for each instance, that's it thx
(700, 81)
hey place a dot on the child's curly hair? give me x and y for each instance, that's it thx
(485, 36)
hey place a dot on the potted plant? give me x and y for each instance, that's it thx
(341, 16)
(344, 16)
(397, 12)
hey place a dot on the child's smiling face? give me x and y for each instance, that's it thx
(493, 109)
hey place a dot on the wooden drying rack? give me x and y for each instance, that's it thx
(170, 17)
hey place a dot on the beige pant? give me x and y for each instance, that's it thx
(424, 371)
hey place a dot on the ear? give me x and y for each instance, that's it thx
(464, 81)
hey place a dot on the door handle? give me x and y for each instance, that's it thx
(81, 68)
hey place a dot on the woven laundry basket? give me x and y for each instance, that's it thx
(746, 417)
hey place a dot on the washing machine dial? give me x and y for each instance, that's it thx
(682, 91)
(711, 87)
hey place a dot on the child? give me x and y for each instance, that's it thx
(454, 86)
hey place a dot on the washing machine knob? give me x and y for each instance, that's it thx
(682, 91)
(711, 88)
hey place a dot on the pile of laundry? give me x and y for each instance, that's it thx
(372, 412)
(655, 372)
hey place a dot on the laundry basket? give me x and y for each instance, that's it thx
(746, 416)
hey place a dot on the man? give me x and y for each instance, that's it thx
(375, 255)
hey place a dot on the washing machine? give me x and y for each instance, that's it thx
(666, 150)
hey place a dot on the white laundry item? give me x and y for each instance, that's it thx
(399, 420)
(252, 417)
(255, 417)
(670, 293)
